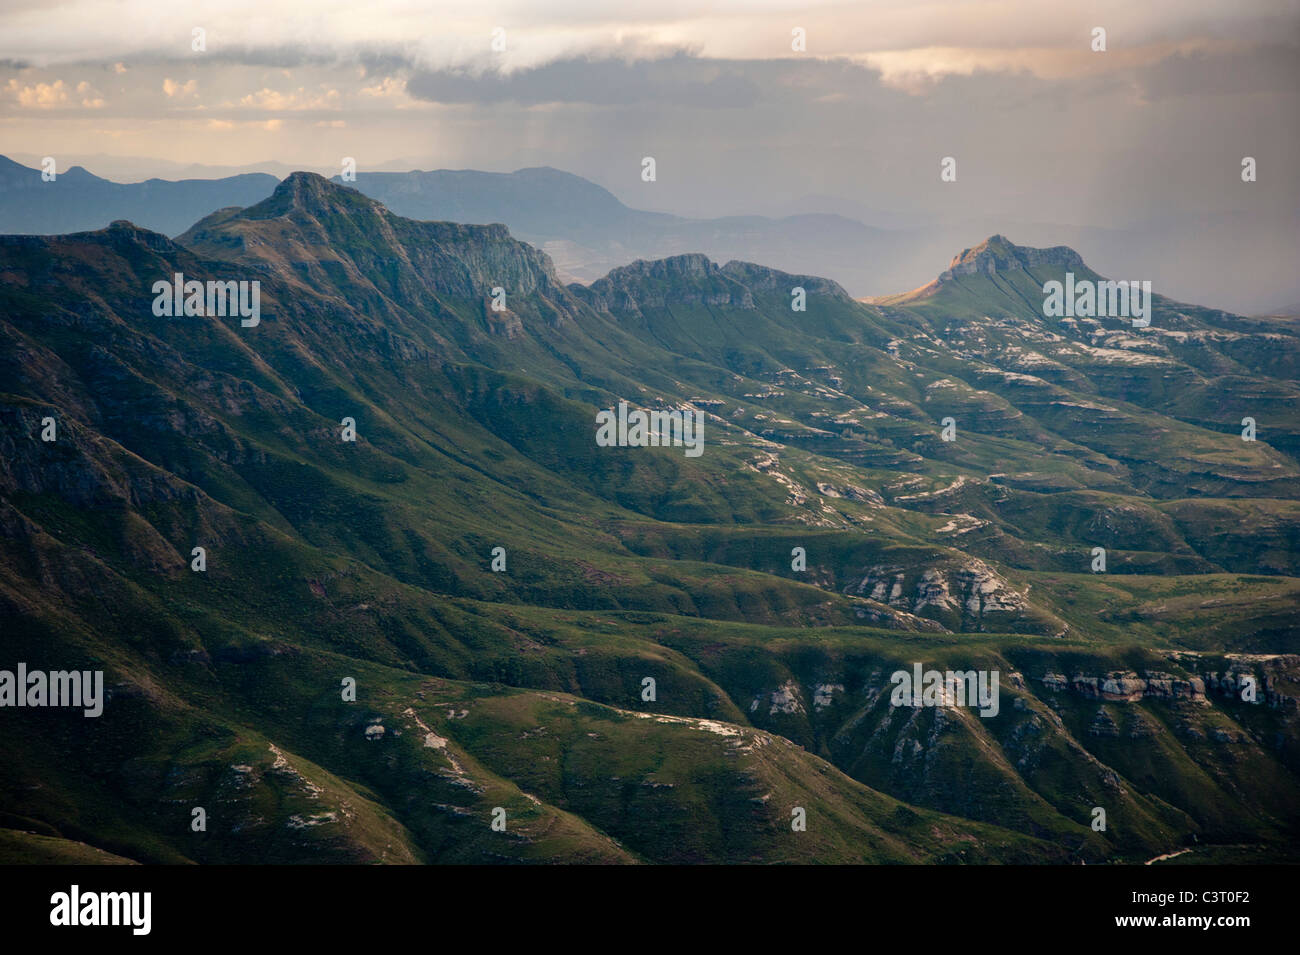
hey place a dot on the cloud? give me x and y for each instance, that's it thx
(298, 99)
(91, 98)
(1264, 69)
(449, 34)
(39, 95)
(389, 87)
(174, 89)
(1043, 129)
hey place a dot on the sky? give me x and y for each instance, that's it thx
(1148, 133)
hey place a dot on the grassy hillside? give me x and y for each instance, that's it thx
(524, 689)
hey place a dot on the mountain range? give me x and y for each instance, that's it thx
(501, 588)
(587, 231)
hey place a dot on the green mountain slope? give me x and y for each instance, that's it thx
(524, 688)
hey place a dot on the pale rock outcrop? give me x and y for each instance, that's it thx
(1127, 686)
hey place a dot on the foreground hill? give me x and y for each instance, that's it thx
(523, 688)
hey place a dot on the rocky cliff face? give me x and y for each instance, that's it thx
(1109, 728)
(1127, 686)
(690, 279)
(963, 594)
(1269, 682)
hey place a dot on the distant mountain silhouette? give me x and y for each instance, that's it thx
(587, 231)
(78, 201)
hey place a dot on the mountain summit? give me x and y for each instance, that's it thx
(310, 192)
(997, 253)
(999, 259)
(323, 238)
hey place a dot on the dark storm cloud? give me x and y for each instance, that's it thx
(1267, 69)
(679, 79)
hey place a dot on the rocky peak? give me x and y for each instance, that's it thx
(329, 237)
(309, 193)
(306, 188)
(997, 253)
